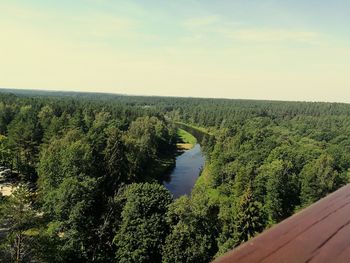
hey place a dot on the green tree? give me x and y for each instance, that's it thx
(249, 218)
(147, 139)
(6, 115)
(24, 134)
(277, 186)
(18, 216)
(69, 156)
(74, 214)
(45, 117)
(69, 194)
(319, 178)
(194, 230)
(6, 155)
(143, 228)
(116, 162)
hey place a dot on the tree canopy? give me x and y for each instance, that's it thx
(87, 170)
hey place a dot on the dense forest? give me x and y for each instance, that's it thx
(88, 171)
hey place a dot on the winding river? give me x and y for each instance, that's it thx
(188, 167)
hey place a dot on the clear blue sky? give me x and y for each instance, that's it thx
(261, 49)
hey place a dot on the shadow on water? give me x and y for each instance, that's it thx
(188, 167)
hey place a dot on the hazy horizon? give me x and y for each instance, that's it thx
(265, 50)
(160, 96)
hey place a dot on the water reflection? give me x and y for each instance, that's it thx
(188, 167)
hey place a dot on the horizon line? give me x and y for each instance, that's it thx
(164, 96)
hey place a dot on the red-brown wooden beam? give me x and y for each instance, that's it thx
(319, 233)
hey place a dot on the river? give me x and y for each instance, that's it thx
(188, 167)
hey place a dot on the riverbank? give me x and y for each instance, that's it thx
(200, 129)
(201, 135)
(186, 140)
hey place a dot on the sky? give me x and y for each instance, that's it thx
(245, 49)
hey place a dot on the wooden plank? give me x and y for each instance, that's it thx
(319, 233)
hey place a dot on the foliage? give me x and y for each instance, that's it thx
(143, 228)
(18, 217)
(319, 178)
(193, 231)
(6, 154)
(93, 163)
(249, 217)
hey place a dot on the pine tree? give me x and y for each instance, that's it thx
(249, 218)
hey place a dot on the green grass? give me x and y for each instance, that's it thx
(201, 129)
(185, 137)
(203, 187)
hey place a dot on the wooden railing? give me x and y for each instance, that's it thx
(319, 233)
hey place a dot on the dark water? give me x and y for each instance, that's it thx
(187, 169)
